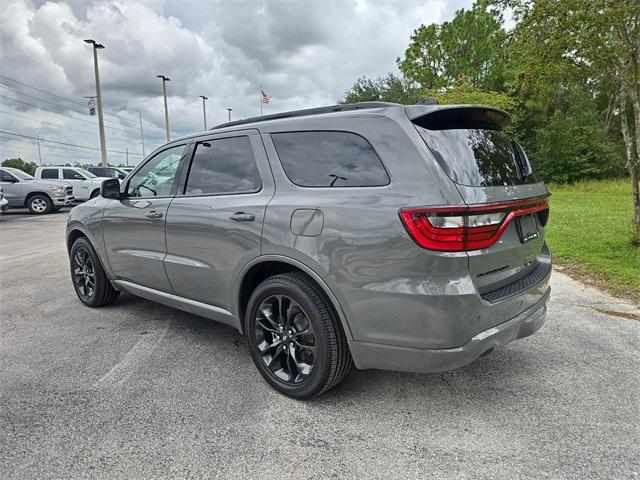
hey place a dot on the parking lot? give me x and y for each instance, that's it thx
(138, 390)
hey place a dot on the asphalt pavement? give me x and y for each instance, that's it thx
(139, 390)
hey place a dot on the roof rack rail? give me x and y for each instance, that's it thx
(309, 111)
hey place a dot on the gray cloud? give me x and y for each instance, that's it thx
(304, 53)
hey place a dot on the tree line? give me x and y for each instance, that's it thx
(568, 72)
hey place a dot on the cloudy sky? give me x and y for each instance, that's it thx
(304, 53)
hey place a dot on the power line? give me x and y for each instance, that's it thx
(73, 101)
(43, 91)
(65, 143)
(52, 103)
(62, 114)
(66, 127)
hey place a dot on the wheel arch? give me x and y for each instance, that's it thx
(263, 267)
(37, 192)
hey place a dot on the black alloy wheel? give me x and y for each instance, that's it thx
(88, 277)
(285, 339)
(295, 337)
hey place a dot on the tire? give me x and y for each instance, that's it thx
(303, 365)
(88, 277)
(39, 204)
(95, 193)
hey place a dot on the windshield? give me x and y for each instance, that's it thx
(478, 157)
(86, 173)
(19, 173)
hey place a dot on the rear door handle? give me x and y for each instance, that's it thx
(242, 217)
(154, 214)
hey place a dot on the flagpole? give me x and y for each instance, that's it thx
(260, 100)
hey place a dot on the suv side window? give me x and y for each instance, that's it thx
(49, 173)
(329, 159)
(223, 166)
(157, 176)
(69, 174)
(6, 177)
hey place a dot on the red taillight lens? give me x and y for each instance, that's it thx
(457, 229)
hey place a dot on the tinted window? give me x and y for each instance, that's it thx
(69, 174)
(478, 157)
(49, 173)
(223, 166)
(329, 159)
(6, 177)
(157, 176)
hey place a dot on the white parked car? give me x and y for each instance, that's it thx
(85, 184)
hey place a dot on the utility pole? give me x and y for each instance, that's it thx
(141, 133)
(204, 110)
(103, 145)
(166, 108)
(126, 152)
(39, 154)
(229, 110)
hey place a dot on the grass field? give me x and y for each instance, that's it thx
(589, 228)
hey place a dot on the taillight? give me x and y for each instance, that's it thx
(472, 227)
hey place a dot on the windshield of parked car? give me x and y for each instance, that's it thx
(86, 173)
(19, 173)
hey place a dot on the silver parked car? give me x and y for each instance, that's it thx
(382, 235)
(21, 190)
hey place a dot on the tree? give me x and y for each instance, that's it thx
(20, 164)
(593, 41)
(386, 89)
(468, 46)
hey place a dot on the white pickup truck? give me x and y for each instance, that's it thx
(85, 184)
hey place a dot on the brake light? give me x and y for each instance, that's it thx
(472, 227)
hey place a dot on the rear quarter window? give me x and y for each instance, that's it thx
(329, 159)
(49, 173)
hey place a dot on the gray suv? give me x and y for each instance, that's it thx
(378, 235)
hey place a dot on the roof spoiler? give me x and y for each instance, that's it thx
(458, 116)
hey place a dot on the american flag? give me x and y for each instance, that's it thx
(265, 98)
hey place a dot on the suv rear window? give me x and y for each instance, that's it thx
(329, 159)
(478, 157)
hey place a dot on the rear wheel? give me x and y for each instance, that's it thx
(39, 204)
(295, 337)
(89, 279)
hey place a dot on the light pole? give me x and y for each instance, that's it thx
(103, 145)
(141, 133)
(229, 110)
(166, 108)
(39, 153)
(204, 110)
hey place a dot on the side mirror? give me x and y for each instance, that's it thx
(110, 188)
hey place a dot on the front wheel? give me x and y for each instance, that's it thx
(39, 204)
(295, 338)
(89, 279)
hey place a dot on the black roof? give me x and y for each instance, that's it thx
(309, 111)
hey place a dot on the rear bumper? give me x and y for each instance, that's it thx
(389, 357)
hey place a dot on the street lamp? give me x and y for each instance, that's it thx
(229, 110)
(204, 110)
(166, 108)
(103, 145)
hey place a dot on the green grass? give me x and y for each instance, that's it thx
(590, 226)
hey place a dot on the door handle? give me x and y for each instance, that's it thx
(242, 217)
(154, 214)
